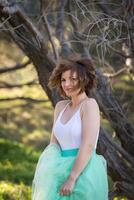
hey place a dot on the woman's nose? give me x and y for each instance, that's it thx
(67, 83)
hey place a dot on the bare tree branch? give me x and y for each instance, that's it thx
(118, 73)
(103, 5)
(120, 53)
(125, 12)
(50, 37)
(14, 68)
(65, 49)
(8, 85)
(24, 98)
(73, 22)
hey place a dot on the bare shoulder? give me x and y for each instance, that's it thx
(91, 101)
(60, 105)
(90, 104)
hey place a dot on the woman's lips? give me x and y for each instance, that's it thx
(69, 89)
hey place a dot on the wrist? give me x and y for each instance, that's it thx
(73, 177)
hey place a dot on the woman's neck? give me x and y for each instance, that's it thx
(76, 100)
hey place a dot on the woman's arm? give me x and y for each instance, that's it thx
(56, 111)
(90, 129)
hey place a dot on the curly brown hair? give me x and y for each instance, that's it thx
(83, 67)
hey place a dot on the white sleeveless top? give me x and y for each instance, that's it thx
(69, 134)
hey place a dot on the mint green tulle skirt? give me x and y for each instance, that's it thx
(53, 169)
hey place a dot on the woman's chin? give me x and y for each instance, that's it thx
(68, 93)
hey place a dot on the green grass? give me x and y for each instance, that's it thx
(17, 161)
(10, 191)
(17, 168)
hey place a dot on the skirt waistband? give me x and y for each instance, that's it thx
(71, 152)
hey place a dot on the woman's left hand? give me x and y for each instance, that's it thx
(67, 187)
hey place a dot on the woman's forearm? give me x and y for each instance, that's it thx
(82, 159)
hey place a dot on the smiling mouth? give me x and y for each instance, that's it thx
(68, 90)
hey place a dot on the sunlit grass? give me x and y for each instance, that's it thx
(35, 92)
(17, 162)
(31, 124)
(11, 191)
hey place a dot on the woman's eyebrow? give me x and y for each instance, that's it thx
(74, 76)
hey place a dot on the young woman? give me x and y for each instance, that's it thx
(69, 168)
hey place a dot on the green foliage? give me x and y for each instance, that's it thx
(17, 162)
(17, 168)
(10, 191)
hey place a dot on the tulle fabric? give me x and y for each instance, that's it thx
(53, 170)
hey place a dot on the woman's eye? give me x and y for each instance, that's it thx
(74, 79)
(62, 80)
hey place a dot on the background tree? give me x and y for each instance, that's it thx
(102, 30)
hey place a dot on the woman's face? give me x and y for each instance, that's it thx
(69, 83)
